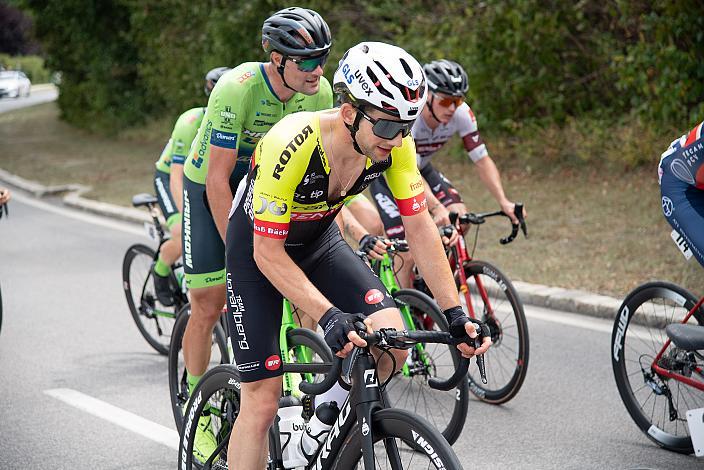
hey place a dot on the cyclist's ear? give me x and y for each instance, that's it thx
(349, 113)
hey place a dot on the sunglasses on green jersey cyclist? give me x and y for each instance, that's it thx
(308, 64)
(386, 128)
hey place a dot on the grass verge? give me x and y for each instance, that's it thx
(591, 226)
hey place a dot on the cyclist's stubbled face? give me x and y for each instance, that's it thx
(373, 146)
(307, 83)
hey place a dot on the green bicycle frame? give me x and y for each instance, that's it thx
(300, 353)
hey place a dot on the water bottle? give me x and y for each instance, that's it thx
(291, 427)
(318, 427)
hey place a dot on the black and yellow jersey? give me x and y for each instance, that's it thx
(286, 192)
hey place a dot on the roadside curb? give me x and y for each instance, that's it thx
(554, 298)
(42, 87)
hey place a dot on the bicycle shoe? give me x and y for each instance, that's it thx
(204, 443)
(162, 286)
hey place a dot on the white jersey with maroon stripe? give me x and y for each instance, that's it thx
(428, 141)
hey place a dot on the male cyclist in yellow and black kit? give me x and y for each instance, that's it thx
(282, 239)
(168, 183)
(246, 102)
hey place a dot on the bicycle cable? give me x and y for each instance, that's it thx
(476, 239)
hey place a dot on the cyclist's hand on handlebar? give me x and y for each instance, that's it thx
(373, 246)
(509, 208)
(339, 331)
(461, 325)
(449, 235)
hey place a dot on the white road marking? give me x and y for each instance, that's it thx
(78, 215)
(130, 421)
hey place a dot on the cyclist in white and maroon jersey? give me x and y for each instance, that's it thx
(445, 114)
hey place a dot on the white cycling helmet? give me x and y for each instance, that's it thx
(383, 76)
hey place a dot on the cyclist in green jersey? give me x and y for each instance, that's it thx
(246, 102)
(168, 183)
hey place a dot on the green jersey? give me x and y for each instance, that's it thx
(183, 134)
(241, 109)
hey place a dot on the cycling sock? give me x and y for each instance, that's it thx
(336, 394)
(192, 382)
(161, 268)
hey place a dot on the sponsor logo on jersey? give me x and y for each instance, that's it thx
(237, 308)
(256, 135)
(416, 186)
(246, 76)
(667, 206)
(373, 297)
(198, 158)
(272, 362)
(272, 207)
(227, 115)
(259, 122)
(372, 176)
(271, 229)
(350, 77)
(247, 366)
(412, 205)
(312, 178)
(224, 139)
(292, 146)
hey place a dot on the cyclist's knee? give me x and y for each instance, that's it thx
(261, 402)
(207, 303)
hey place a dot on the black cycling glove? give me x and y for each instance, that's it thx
(336, 324)
(367, 242)
(456, 318)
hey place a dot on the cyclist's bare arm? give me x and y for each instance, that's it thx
(424, 241)
(491, 178)
(176, 185)
(439, 213)
(217, 185)
(356, 231)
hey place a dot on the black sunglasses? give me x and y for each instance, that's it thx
(386, 128)
(308, 64)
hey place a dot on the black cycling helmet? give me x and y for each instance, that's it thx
(212, 77)
(446, 76)
(296, 32)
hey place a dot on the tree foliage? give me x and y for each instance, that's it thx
(530, 62)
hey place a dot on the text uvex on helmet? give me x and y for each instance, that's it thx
(296, 32)
(383, 76)
(446, 76)
(212, 77)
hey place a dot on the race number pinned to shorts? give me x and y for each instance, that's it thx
(151, 231)
(681, 244)
(695, 421)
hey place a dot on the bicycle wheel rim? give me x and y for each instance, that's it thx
(507, 360)
(637, 338)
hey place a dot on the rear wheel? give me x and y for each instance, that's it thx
(402, 440)
(178, 382)
(409, 389)
(495, 301)
(154, 321)
(656, 403)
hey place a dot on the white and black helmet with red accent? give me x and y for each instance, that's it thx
(384, 77)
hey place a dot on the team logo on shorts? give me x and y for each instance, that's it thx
(667, 207)
(272, 362)
(373, 296)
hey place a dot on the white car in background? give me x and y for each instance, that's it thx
(14, 83)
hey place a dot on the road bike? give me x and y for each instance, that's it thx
(444, 409)
(297, 345)
(488, 295)
(366, 433)
(154, 320)
(659, 374)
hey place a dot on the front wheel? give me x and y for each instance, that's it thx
(494, 300)
(154, 321)
(657, 404)
(409, 389)
(401, 440)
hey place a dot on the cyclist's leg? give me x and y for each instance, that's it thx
(443, 189)
(171, 249)
(204, 265)
(254, 319)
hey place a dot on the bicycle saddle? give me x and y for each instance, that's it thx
(143, 199)
(689, 337)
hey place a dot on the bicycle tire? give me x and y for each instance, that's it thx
(138, 286)
(411, 430)
(445, 359)
(627, 342)
(178, 386)
(507, 360)
(226, 378)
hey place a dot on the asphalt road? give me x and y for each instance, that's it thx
(42, 94)
(81, 389)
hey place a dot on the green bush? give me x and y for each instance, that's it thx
(32, 66)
